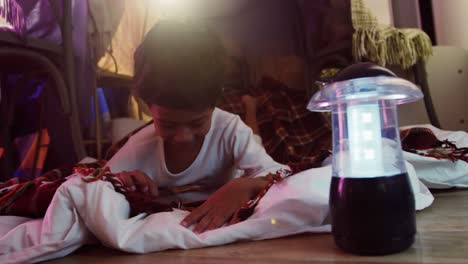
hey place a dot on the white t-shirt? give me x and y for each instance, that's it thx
(228, 147)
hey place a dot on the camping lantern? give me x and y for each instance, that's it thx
(372, 205)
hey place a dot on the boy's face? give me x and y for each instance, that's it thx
(181, 128)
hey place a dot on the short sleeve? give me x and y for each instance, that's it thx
(124, 159)
(249, 155)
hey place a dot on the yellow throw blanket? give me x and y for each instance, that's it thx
(384, 44)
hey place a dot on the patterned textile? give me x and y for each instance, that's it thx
(30, 198)
(291, 134)
(139, 202)
(422, 141)
(385, 44)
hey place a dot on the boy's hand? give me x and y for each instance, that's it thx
(222, 204)
(138, 181)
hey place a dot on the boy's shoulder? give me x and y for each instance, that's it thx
(145, 136)
(222, 118)
(226, 122)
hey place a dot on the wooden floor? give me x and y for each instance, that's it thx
(442, 238)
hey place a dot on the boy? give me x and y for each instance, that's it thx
(179, 73)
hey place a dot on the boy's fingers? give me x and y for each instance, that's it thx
(153, 188)
(127, 181)
(150, 186)
(235, 219)
(217, 221)
(195, 215)
(137, 180)
(140, 183)
(203, 224)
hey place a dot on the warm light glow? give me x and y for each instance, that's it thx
(176, 9)
(3, 23)
(273, 221)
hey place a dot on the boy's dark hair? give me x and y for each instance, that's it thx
(179, 65)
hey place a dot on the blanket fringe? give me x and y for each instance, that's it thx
(384, 44)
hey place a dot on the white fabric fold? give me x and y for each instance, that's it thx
(443, 173)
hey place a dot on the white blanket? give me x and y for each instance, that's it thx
(82, 213)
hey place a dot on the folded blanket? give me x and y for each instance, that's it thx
(83, 213)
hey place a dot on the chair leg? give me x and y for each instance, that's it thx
(69, 69)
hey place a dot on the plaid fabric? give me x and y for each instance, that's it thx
(384, 44)
(290, 133)
(31, 198)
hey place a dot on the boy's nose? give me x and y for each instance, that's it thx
(183, 135)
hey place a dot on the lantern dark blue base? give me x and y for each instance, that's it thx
(373, 216)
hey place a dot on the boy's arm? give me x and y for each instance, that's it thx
(221, 206)
(123, 163)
